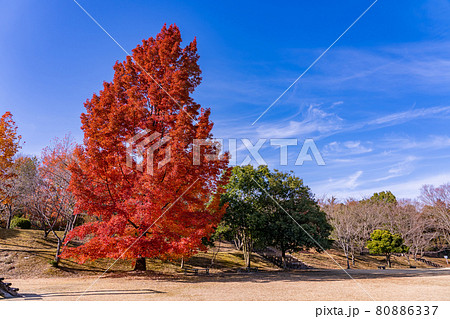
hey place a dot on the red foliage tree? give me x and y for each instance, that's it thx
(164, 214)
(9, 143)
(9, 146)
(53, 191)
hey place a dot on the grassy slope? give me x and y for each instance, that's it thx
(323, 260)
(25, 253)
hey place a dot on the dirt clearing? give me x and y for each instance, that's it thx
(414, 284)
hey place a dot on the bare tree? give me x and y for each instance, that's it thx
(340, 219)
(415, 225)
(437, 203)
(368, 216)
(352, 222)
(418, 223)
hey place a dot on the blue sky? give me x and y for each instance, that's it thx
(377, 104)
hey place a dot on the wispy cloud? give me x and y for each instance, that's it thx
(402, 168)
(409, 143)
(342, 184)
(420, 66)
(346, 148)
(318, 122)
(401, 117)
(405, 189)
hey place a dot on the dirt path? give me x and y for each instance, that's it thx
(414, 284)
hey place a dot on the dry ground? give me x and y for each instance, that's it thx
(414, 284)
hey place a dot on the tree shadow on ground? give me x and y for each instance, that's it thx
(81, 294)
(320, 275)
(9, 233)
(316, 275)
(205, 261)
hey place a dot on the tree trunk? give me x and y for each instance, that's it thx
(72, 224)
(283, 258)
(214, 256)
(8, 222)
(353, 259)
(388, 260)
(247, 250)
(348, 260)
(140, 264)
(237, 242)
(247, 254)
(407, 258)
(182, 262)
(58, 251)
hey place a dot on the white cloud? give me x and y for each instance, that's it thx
(402, 168)
(336, 104)
(423, 66)
(407, 189)
(319, 123)
(315, 121)
(342, 184)
(346, 148)
(431, 142)
(412, 114)
(352, 181)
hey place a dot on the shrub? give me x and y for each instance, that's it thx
(383, 242)
(20, 222)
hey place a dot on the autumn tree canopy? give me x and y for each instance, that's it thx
(9, 146)
(9, 142)
(55, 179)
(164, 213)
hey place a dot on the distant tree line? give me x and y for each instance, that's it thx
(422, 224)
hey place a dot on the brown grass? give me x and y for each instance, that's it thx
(324, 261)
(27, 254)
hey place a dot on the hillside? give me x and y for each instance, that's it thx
(323, 260)
(25, 254)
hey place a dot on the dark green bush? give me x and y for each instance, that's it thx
(20, 222)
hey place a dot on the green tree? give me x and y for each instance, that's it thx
(382, 242)
(273, 208)
(244, 200)
(384, 196)
(292, 218)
